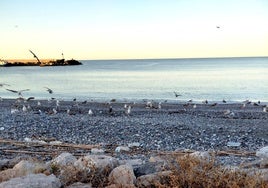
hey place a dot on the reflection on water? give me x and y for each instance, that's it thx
(198, 79)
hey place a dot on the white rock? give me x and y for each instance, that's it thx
(134, 144)
(64, 159)
(55, 142)
(233, 144)
(32, 181)
(97, 151)
(95, 162)
(202, 155)
(122, 175)
(262, 153)
(121, 148)
(26, 139)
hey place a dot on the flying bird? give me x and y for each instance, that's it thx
(176, 95)
(19, 92)
(49, 90)
(3, 85)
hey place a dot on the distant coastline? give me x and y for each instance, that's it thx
(33, 62)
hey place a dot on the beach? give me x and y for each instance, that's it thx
(152, 127)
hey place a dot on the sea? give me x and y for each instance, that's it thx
(213, 79)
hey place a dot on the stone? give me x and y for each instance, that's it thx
(80, 185)
(134, 144)
(96, 162)
(97, 151)
(132, 162)
(33, 181)
(23, 168)
(263, 154)
(121, 148)
(233, 144)
(151, 180)
(64, 159)
(201, 155)
(4, 164)
(122, 175)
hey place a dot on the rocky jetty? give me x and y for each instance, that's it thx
(58, 62)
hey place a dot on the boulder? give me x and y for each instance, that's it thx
(201, 155)
(64, 159)
(263, 154)
(151, 180)
(96, 163)
(23, 168)
(122, 175)
(33, 181)
(97, 151)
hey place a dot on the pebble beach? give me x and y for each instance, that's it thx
(148, 124)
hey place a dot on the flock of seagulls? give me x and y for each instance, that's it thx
(55, 104)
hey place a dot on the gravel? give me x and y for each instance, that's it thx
(173, 127)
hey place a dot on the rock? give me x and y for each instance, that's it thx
(233, 144)
(149, 168)
(79, 185)
(96, 162)
(132, 162)
(121, 148)
(97, 151)
(122, 175)
(4, 164)
(201, 155)
(64, 159)
(263, 154)
(23, 168)
(151, 180)
(33, 181)
(134, 144)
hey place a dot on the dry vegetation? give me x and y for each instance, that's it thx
(196, 173)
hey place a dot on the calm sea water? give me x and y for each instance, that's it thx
(232, 79)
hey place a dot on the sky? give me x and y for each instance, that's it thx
(122, 29)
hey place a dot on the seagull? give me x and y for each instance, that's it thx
(38, 103)
(214, 104)
(19, 91)
(159, 105)
(128, 110)
(24, 109)
(3, 85)
(49, 90)
(194, 106)
(177, 95)
(205, 102)
(30, 98)
(90, 112)
(110, 110)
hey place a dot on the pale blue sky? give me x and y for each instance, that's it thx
(119, 29)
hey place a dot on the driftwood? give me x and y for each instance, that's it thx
(39, 147)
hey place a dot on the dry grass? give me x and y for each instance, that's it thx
(195, 173)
